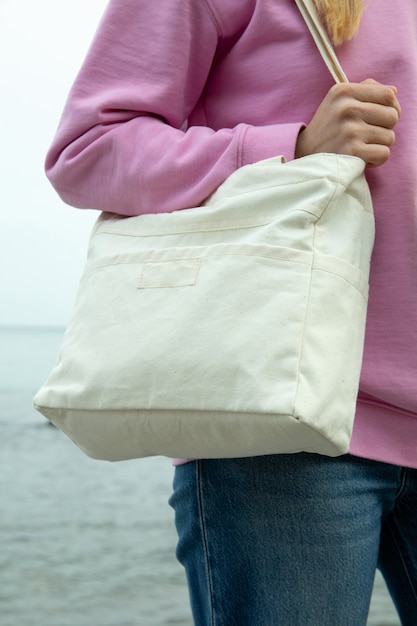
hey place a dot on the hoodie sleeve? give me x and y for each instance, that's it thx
(123, 144)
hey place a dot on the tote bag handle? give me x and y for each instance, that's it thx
(321, 38)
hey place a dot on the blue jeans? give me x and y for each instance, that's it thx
(294, 540)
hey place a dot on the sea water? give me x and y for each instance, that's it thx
(84, 542)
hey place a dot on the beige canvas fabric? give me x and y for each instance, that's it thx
(233, 329)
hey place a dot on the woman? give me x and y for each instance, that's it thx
(172, 98)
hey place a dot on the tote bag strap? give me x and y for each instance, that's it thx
(321, 38)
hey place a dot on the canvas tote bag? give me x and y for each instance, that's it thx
(227, 330)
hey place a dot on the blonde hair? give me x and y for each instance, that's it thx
(342, 17)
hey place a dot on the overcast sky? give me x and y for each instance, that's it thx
(42, 241)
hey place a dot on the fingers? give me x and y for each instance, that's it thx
(372, 114)
(378, 135)
(369, 114)
(374, 155)
(356, 119)
(369, 91)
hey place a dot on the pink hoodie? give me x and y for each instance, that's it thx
(175, 95)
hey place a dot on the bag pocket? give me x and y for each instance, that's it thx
(230, 321)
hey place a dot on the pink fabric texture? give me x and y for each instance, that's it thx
(175, 95)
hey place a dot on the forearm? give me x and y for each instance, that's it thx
(123, 144)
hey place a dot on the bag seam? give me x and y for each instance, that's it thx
(319, 269)
(297, 385)
(223, 254)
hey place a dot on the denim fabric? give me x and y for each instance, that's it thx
(294, 540)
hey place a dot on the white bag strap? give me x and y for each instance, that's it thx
(320, 36)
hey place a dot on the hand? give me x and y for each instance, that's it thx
(356, 119)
